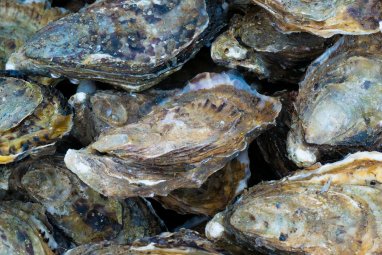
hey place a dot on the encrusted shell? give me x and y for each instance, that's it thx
(180, 143)
(335, 209)
(32, 118)
(338, 107)
(326, 18)
(130, 44)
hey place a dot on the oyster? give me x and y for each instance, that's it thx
(254, 43)
(32, 119)
(19, 20)
(215, 194)
(335, 209)
(337, 109)
(81, 213)
(326, 18)
(180, 143)
(179, 243)
(130, 44)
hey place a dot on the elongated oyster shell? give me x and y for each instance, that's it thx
(80, 212)
(19, 20)
(178, 243)
(335, 209)
(215, 194)
(180, 143)
(130, 44)
(254, 43)
(326, 18)
(337, 109)
(32, 118)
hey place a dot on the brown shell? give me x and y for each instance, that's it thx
(180, 143)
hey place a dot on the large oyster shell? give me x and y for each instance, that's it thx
(337, 109)
(130, 44)
(326, 18)
(335, 209)
(254, 43)
(180, 143)
(32, 118)
(180, 243)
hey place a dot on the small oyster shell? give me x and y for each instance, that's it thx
(19, 20)
(179, 243)
(130, 44)
(32, 118)
(326, 18)
(215, 194)
(81, 213)
(334, 209)
(336, 109)
(254, 43)
(180, 143)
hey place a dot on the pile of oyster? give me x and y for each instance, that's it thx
(193, 127)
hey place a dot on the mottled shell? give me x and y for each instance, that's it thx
(335, 209)
(19, 20)
(32, 119)
(180, 143)
(326, 18)
(130, 44)
(79, 212)
(180, 243)
(338, 108)
(254, 43)
(215, 194)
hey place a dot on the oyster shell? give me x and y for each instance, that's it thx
(326, 18)
(335, 209)
(180, 143)
(254, 43)
(337, 109)
(215, 194)
(130, 44)
(19, 20)
(79, 212)
(179, 243)
(32, 119)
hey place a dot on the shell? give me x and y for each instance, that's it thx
(19, 20)
(130, 44)
(334, 209)
(254, 43)
(326, 18)
(79, 212)
(32, 119)
(337, 109)
(179, 243)
(215, 194)
(180, 143)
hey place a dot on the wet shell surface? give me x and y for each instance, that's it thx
(179, 243)
(180, 143)
(32, 119)
(326, 18)
(338, 107)
(335, 209)
(130, 44)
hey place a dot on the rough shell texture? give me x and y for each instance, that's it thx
(179, 243)
(180, 143)
(335, 209)
(215, 194)
(81, 213)
(326, 18)
(130, 44)
(19, 20)
(254, 43)
(338, 109)
(32, 118)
